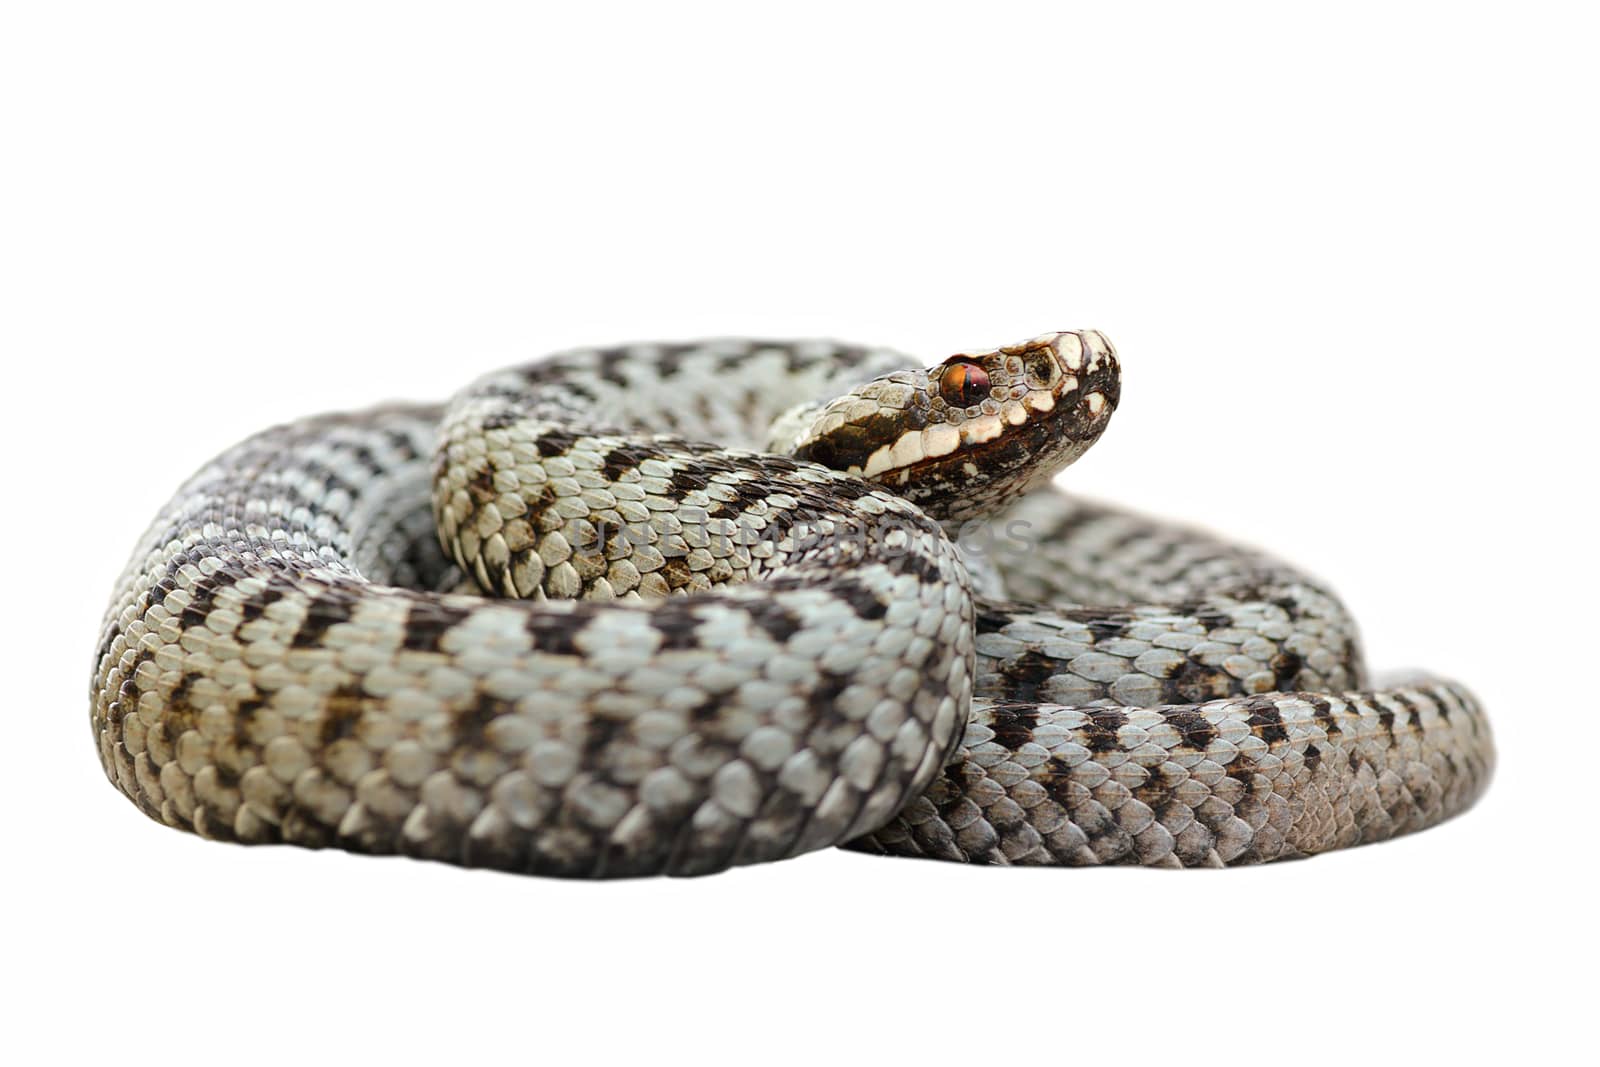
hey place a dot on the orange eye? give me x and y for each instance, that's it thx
(963, 384)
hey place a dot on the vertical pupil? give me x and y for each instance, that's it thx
(964, 384)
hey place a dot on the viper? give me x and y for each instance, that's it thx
(671, 608)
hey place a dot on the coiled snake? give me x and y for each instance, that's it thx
(882, 637)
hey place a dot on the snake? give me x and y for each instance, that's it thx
(672, 608)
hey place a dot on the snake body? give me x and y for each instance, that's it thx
(675, 608)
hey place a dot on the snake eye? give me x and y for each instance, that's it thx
(963, 384)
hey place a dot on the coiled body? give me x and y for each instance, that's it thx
(663, 637)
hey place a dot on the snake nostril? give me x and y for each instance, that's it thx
(1041, 368)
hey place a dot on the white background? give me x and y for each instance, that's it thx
(1348, 257)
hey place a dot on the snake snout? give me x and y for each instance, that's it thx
(1087, 355)
(1101, 370)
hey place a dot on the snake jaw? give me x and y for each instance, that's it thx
(979, 428)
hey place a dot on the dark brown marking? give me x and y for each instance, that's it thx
(1025, 673)
(426, 624)
(326, 610)
(1197, 732)
(552, 631)
(1013, 726)
(1322, 711)
(863, 601)
(1286, 669)
(1101, 733)
(555, 442)
(343, 714)
(627, 457)
(1267, 721)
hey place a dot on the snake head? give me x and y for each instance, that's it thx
(966, 436)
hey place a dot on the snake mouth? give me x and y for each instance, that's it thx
(999, 421)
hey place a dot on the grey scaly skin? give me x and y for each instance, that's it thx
(699, 655)
(1168, 732)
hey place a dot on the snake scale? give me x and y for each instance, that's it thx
(670, 608)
